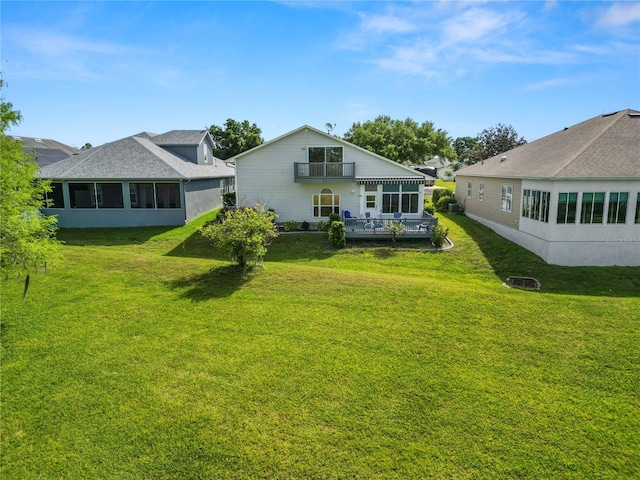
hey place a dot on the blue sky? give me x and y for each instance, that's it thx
(100, 71)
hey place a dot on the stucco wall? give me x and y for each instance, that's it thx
(202, 196)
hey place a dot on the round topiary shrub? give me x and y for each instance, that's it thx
(333, 217)
(438, 193)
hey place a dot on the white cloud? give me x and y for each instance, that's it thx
(619, 14)
(381, 24)
(547, 84)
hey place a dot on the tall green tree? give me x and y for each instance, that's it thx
(404, 141)
(235, 137)
(27, 237)
(466, 148)
(496, 140)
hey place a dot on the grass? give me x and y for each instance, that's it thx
(144, 355)
(446, 184)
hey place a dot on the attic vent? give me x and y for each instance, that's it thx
(503, 158)
(633, 115)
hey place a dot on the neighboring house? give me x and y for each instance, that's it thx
(145, 179)
(306, 174)
(46, 151)
(443, 167)
(573, 197)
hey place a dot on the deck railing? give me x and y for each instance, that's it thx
(388, 227)
(324, 172)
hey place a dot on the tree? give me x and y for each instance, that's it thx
(235, 138)
(404, 141)
(243, 234)
(466, 148)
(496, 140)
(27, 237)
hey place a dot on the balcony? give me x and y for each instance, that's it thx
(318, 172)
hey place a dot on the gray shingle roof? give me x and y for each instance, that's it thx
(47, 151)
(606, 146)
(179, 137)
(132, 158)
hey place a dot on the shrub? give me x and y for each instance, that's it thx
(443, 203)
(334, 217)
(430, 209)
(438, 193)
(338, 234)
(439, 235)
(290, 226)
(322, 226)
(244, 234)
(229, 199)
(304, 226)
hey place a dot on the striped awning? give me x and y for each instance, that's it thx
(390, 180)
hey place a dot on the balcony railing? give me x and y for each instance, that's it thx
(324, 172)
(382, 228)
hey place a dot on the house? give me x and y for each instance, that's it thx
(444, 167)
(306, 175)
(145, 179)
(572, 197)
(46, 151)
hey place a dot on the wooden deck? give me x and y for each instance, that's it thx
(383, 228)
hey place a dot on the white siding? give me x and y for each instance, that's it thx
(265, 175)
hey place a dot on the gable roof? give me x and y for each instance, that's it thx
(134, 158)
(602, 147)
(47, 151)
(410, 173)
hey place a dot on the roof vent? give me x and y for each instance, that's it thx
(503, 158)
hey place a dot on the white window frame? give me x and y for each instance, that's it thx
(506, 198)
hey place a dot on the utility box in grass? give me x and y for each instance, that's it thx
(454, 208)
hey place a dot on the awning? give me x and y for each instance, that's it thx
(390, 180)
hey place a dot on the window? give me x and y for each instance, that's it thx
(55, 196)
(109, 195)
(535, 205)
(481, 192)
(506, 198)
(469, 185)
(400, 198)
(371, 196)
(592, 207)
(142, 195)
(638, 208)
(168, 195)
(567, 204)
(331, 155)
(325, 203)
(618, 207)
(82, 195)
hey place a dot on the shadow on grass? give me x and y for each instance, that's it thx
(110, 236)
(509, 259)
(290, 247)
(218, 282)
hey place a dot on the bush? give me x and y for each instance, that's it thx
(229, 199)
(244, 234)
(338, 234)
(334, 217)
(430, 209)
(438, 193)
(304, 226)
(439, 235)
(443, 203)
(290, 226)
(322, 226)
(396, 229)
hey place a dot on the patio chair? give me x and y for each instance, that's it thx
(397, 215)
(347, 214)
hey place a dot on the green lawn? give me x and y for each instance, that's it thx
(145, 356)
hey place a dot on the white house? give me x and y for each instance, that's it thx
(572, 197)
(306, 174)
